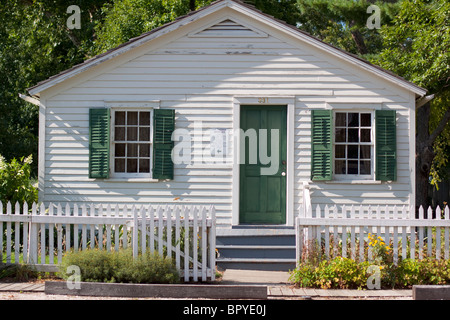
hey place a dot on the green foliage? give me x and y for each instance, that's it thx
(416, 47)
(34, 45)
(342, 23)
(15, 181)
(345, 273)
(103, 266)
(125, 19)
(338, 273)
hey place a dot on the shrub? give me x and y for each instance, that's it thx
(15, 181)
(345, 273)
(342, 273)
(102, 266)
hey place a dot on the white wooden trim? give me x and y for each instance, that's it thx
(288, 101)
(257, 33)
(41, 149)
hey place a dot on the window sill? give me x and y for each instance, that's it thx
(132, 180)
(353, 182)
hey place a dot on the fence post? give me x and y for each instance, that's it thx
(212, 242)
(135, 232)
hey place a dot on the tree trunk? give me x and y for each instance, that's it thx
(192, 5)
(424, 155)
(425, 152)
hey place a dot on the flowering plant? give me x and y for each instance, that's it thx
(381, 253)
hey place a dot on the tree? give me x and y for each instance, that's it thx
(417, 47)
(343, 23)
(125, 19)
(35, 43)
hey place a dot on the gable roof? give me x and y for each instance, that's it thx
(213, 7)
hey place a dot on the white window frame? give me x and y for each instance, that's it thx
(355, 177)
(129, 175)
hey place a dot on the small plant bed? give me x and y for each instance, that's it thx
(344, 273)
(120, 267)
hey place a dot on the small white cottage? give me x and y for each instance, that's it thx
(231, 107)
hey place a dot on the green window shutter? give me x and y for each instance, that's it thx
(386, 145)
(99, 128)
(321, 153)
(163, 126)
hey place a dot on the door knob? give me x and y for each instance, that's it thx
(283, 173)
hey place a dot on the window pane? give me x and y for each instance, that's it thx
(144, 134)
(340, 151)
(144, 150)
(366, 120)
(132, 134)
(353, 119)
(144, 165)
(119, 134)
(144, 118)
(120, 117)
(353, 135)
(340, 135)
(364, 167)
(352, 167)
(132, 118)
(352, 152)
(132, 150)
(365, 135)
(364, 152)
(131, 165)
(341, 120)
(119, 165)
(120, 150)
(339, 167)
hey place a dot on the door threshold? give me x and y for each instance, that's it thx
(262, 226)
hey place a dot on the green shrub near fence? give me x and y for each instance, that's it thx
(344, 273)
(103, 266)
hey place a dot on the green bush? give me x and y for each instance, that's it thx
(345, 273)
(102, 266)
(15, 181)
(338, 273)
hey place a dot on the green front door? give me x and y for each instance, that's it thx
(262, 181)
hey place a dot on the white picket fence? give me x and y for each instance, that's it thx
(344, 231)
(40, 236)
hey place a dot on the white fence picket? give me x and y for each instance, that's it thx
(397, 226)
(92, 226)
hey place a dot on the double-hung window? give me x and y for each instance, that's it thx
(353, 145)
(132, 143)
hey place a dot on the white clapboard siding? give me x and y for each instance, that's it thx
(198, 75)
(344, 231)
(98, 226)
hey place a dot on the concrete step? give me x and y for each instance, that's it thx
(256, 264)
(255, 251)
(256, 248)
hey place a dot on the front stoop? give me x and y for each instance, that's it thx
(256, 248)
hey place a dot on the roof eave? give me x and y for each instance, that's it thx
(238, 6)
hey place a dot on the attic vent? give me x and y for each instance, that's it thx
(229, 28)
